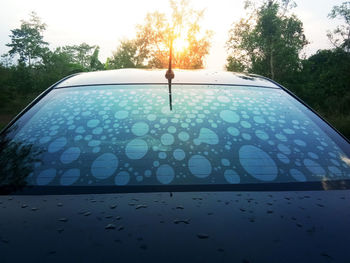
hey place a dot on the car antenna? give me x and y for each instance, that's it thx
(169, 75)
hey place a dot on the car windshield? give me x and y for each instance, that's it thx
(120, 135)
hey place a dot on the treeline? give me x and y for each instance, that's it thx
(269, 41)
(37, 66)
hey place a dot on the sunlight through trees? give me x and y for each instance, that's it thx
(150, 48)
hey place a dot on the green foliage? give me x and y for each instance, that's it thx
(126, 56)
(84, 55)
(268, 42)
(235, 65)
(95, 63)
(27, 41)
(326, 75)
(340, 37)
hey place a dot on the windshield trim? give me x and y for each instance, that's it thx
(250, 187)
(164, 84)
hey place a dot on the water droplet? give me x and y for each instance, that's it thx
(165, 174)
(312, 155)
(167, 139)
(229, 116)
(148, 173)
(70, 155)
(199, 166)
(171, 129)
(232, 177)
(45, 139)
(179, 154)
(97, 130)
(297, 175)
(136, 149)
(283, 158)
(183, 136)
(233, 131)
(46, 176)
(140, 128)
(259, 120)
(281, 137)
(80, 129)
(57, 145)
(314, 167)
(70, 176)
(261, 135)
(151, 117)
(110, 226)
(225, 162)
(184, 221)
(284, 149)
(162, 155)
(300, 142)
(257, 163)
(202, 236)
(140, 206)
(94, 143)
(207, 136)
(104, 166)
(121, 114)
(92, 123)
(122, 178)
(224, 99)
(288, 131)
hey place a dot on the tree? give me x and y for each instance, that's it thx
(27, 41)
(340, 37)
(267, 42)
(327, 74)
(84, 55)
(126, 56)
(95, 63)
(151, 46)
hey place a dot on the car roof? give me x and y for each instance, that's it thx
(146, 76)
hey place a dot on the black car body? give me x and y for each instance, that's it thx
(99, 169)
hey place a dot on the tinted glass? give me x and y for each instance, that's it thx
(126, 135)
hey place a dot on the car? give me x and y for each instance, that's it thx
(128, 166)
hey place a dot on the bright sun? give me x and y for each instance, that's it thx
(180, 44)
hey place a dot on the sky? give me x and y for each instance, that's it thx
(106, 22)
